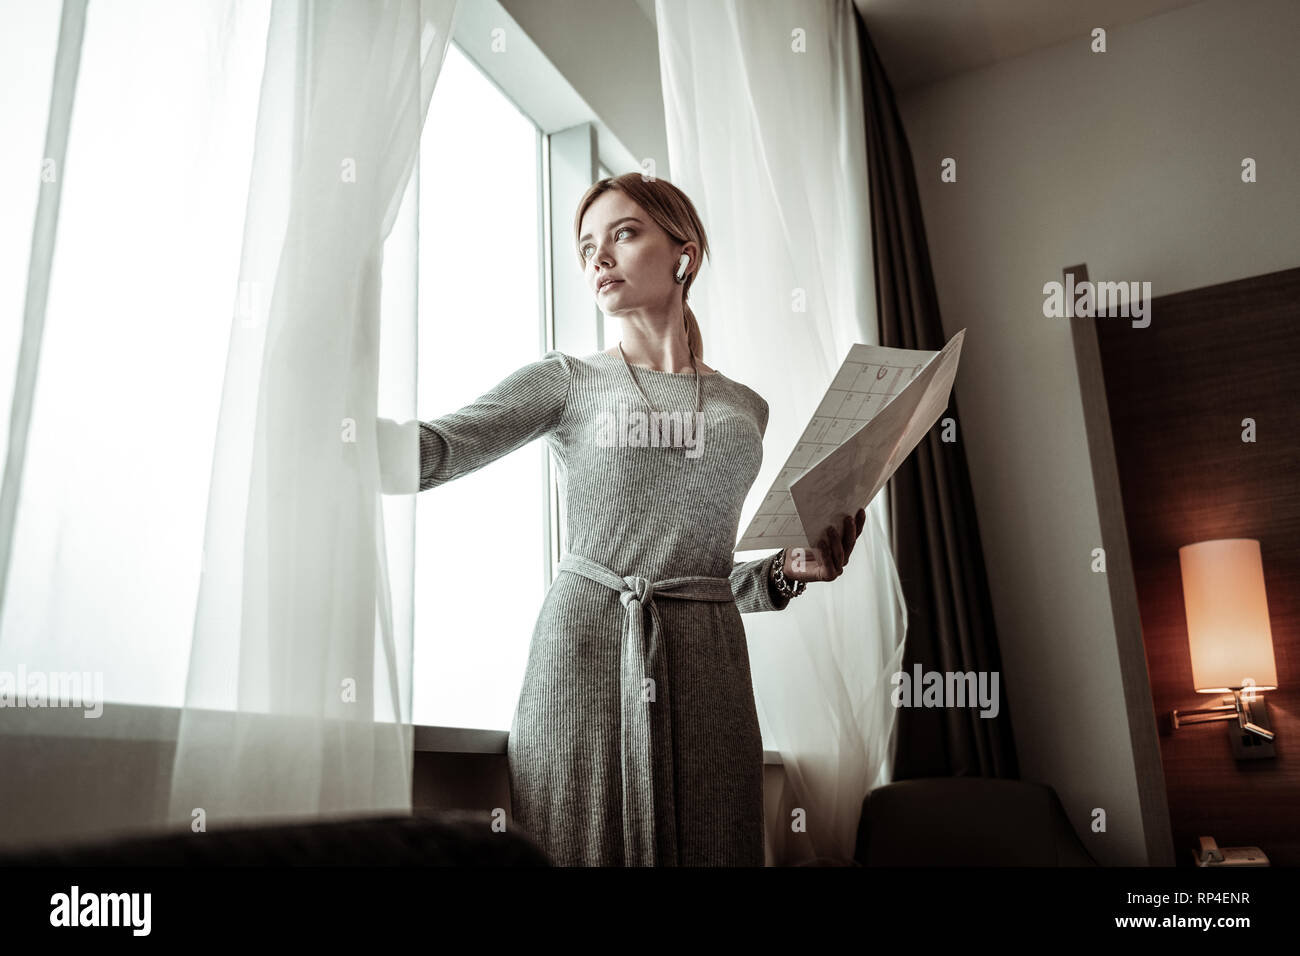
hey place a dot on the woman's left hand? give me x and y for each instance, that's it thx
(825, 562)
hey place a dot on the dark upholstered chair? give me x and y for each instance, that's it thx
(967, 821)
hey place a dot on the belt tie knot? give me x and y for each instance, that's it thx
(641, 590)
(645, 724)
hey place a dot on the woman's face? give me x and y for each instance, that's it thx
(619, 241)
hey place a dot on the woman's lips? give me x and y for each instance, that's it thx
(610, 284)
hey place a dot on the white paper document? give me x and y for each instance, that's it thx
(877, 409)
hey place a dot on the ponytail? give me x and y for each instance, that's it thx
(693, 337)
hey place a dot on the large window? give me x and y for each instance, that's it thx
(481, 541)
(108, 538)
(148, 254)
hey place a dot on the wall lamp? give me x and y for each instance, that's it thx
(1230, 638)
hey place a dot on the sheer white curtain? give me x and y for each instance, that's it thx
(299, 693)
(764, 110)
(295, 700)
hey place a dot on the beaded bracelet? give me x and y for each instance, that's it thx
(782, 583)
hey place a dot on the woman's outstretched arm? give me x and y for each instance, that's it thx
(525, 405)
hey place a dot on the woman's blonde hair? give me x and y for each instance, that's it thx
(675, 214)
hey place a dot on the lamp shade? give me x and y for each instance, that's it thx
(1227, 615)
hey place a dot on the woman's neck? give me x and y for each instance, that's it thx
(671, 356)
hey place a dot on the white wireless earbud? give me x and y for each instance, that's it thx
(684, 261)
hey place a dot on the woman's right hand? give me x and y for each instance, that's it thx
(825, 562)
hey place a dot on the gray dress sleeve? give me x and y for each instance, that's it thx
(750, 580)
(525, 405)
(753, 588)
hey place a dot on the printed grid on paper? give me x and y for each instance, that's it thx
(858, 393)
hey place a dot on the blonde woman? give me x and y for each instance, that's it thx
(635, 740)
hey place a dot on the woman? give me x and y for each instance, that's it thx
(635, 740)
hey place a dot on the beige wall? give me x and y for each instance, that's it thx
(1128, 161)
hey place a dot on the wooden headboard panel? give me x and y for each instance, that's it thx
(1177, 392)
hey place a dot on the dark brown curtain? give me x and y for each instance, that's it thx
(935, 535)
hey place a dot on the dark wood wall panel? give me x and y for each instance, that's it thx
(1177, 392)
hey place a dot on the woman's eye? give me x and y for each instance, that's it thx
(583, 251)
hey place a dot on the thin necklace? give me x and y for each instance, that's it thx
(694, 367)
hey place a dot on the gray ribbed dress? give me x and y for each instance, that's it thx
(635, 740)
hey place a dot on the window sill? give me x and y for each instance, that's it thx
(138, 722)
(469, 740)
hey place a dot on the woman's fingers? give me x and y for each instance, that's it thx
(852, 531)
(833, 548)
(850, 536)
(836, 552)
